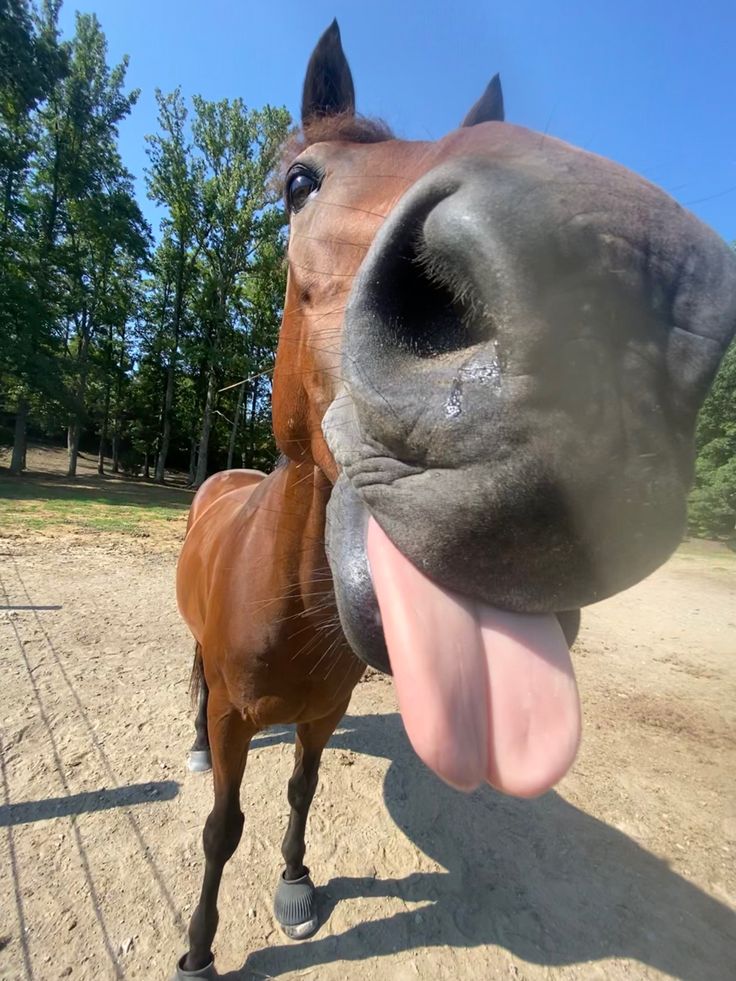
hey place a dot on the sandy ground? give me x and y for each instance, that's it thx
(625, 871)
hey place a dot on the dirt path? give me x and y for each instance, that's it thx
(626, 871)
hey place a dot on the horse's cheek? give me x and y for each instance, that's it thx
(290, 423)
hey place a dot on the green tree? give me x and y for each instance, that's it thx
(240, 149)
(105, 246)
(175, 181)
(97, 335)
(712, 505)
(91, 230)
(260, 308)
(31, 64)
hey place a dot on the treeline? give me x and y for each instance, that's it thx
(119, 340)
(712, 504)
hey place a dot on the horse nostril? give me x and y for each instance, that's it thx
(424, 306)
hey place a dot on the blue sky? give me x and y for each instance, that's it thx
(650, 84)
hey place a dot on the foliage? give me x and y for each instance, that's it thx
(32, 64)
(712, 505)
(217, 298)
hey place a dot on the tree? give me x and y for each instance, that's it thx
(260, 306)
(175, 180)
(106, 246)
(91, 229)
(240, 149)
(712, 505)
(32, 62)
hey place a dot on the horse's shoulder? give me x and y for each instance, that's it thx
(221, 483)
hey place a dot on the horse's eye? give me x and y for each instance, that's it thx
(298, 188)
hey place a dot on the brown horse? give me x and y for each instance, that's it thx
(492, 354)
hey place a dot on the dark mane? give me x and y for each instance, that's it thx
(347, 127)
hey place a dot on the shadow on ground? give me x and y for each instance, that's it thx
(542, 879)
(26, 812)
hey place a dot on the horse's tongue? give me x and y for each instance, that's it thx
(484, 694)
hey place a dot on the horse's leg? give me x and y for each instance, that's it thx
(200, 758)
(295, 901)
(230, 738)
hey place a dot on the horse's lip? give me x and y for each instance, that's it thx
(345, 539)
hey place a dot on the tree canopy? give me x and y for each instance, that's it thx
(712, 505)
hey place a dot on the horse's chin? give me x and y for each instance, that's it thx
(347, 525)
(346, 540)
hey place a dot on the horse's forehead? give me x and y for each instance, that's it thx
(370, 176)
(363, 183)
(380, 172)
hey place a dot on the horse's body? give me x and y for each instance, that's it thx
(272, 650)
(491, 358)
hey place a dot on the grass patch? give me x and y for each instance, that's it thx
(47, 504)
(712, 554)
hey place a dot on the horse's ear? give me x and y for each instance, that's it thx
(489, 108)
(328, 84)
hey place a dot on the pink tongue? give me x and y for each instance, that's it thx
(484, 694)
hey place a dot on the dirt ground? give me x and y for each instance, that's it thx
(626, 870)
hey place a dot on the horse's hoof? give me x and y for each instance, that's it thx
(295, 906)
(206, 973)
(199, 761)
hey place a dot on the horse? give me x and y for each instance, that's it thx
(492, 354)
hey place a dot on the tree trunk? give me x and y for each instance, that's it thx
(54, 201)
(209, 404)
(204, 439)
(252, 424)
(147, 465)
(75, 426)
(103, 431)
(73, 434)
(8, 199)
(106, 409)
(192, 461)
(234, 428)
(18, 460)
(118, 402)
(166, 429)
(171, 369)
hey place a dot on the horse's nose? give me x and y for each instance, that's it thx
(525, 348)
(548, 264)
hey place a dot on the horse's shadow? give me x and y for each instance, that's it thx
(540, 878)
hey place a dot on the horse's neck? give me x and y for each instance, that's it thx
(293, 507)
(303, 486)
